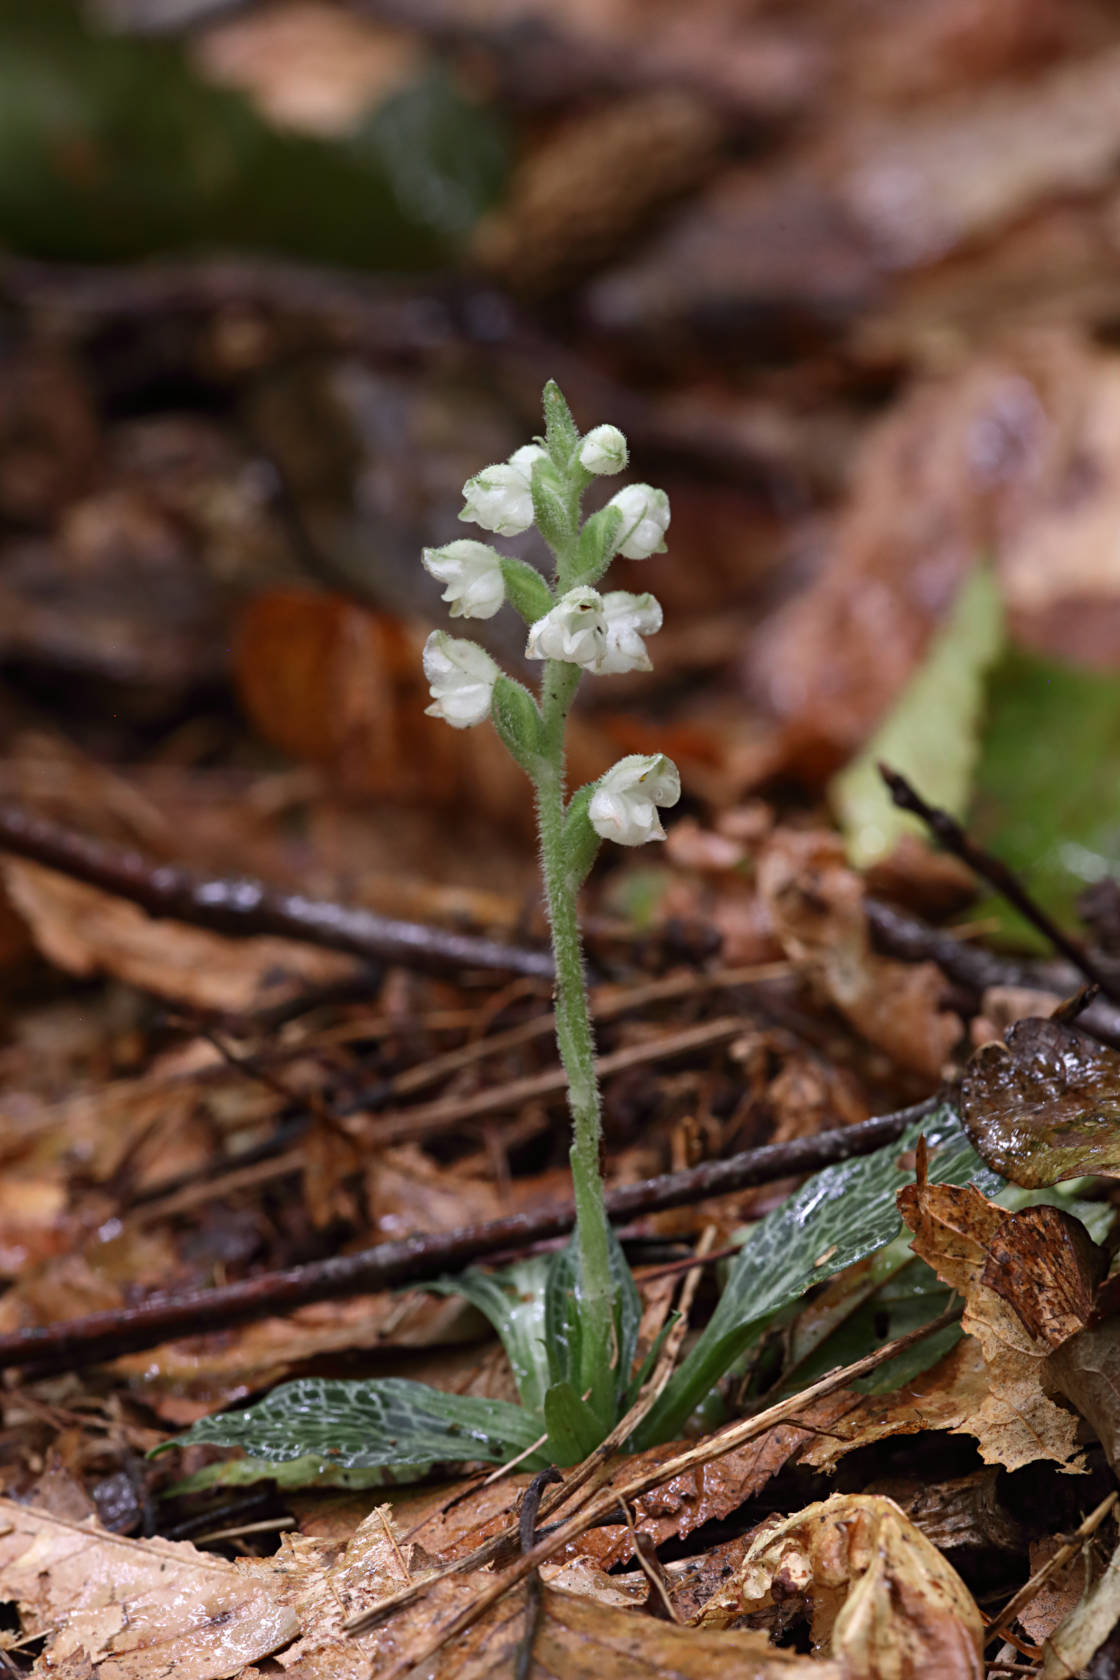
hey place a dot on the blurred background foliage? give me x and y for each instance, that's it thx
(114, 147)
(276, 275)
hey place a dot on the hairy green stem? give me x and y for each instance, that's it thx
(577, 1052)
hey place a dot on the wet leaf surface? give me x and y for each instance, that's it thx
(1045, 1105)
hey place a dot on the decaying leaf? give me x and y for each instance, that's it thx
(86, 932)
(1028, 1281)
(946, 1397)
(128, 1609)
(1073, 1642)
(582, 1640)
(150, 1606)
(1008, 456)
(1061, 1591)
(1086, 1370)
(1044, 1106)
(816, 905)
(883, 1601)
(686, 1502)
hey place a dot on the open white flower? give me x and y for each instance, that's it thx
(628, 618)
(624, 805)
(645, 520)
(603, 450)
(500, 498)
(473, 574)
(575, 630)
(461, 676)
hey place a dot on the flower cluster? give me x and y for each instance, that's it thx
(603, 633)
(570, 624)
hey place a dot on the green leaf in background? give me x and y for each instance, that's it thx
(562, 1324)
(932, 733)
(1048, 783)
(911, 1296)
(446, 158)
(573, 1429)
(513, 1301)
(361, 1425)
(114, 148)
(836, 1218)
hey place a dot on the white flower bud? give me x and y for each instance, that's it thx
(645, 520)
(461, 676)
(624, 805)
(473, 575)
(500, 498)
(575, 630)
(603, 450)
(628, 618)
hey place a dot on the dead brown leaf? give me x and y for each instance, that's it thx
(948, 1396)
(125, 1609)
(131, 1608)
(1027, 1280)
(885, 1605)
(1059, 1594)
(86, 932)
(1074, 1640)
(1086, 1370)
(686, 1502)
(1007, 455)
(816, 906)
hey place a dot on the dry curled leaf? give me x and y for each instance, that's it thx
(1028, 1281)
(883, 1601)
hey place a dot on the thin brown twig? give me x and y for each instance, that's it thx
(527, 1527)
(997, 1629)
(440, 1116)
(954, 838)
(243, 908)
(607, 1003)
(74, 1343)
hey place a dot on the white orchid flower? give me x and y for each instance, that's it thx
(500, 498)
(624, 805)
(461, 676)
(575, 630)
(603, 451)
(473, 574)
(628, 618)
(645, 520)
